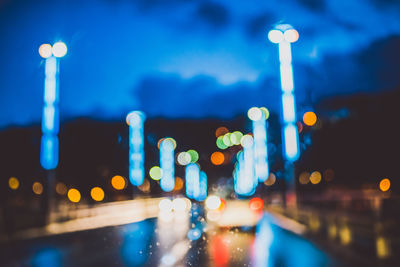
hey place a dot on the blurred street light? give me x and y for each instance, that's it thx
(258, 116)
(51, 119)
(284, 35)
(167, 165)
(135, 120)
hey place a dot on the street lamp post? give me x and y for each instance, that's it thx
(284, 35)
(192, 180)
(245, 179)
(135, 120)
(259, 116)
(167, 164)
(50, 119)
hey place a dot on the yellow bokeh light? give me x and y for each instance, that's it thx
(309, 118)
(37, 188)
(74, 195)
(382, 247)
(345, 235)
(217, 158)
(314, 223)
(45, 50)
(315, 177)
(61, 188)
(118, 182)
(97, 194)
(384, 185)
(13, 183)
(332, 231)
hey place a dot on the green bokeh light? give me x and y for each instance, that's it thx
(194, 156)
(220, 143)
(155, 173)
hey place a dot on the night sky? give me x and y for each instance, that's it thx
(191, 58)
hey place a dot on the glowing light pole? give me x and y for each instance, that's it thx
(202, 187)
(284, 35)
(50, 119)
(192, 180)
(167, 165)
(135, 120)
(259, 116)
(244, 174)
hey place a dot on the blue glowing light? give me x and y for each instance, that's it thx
(50, 116)
(49, 151)
(50, 120)
(245, 179)
(202, 187)
(194, 234)
(289, 112)
(136, 242)
(260, 148)
(167, 182)
(135, 120)
(263, 243)
(291, 142)
(51, 257)
(192, 180)
(290, 133)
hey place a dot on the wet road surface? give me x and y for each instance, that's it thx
(181, 240)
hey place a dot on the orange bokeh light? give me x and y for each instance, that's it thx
(384, 185)
(309, 118)
(178, 183)
(118, 182)
(217, 158)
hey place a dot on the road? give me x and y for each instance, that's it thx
(179, 239)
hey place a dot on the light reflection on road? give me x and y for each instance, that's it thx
(176, 238)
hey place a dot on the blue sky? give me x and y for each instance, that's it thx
(190, 58)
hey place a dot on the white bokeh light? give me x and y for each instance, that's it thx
(59, 49)
(213, 202)
(275, 36)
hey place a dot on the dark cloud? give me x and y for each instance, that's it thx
(213, 13)
(202, 96)
(259, 25)
(315, 5)
(120, 44)
(380, 63)
(386, 3)
(372, 69)
(151, 4)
